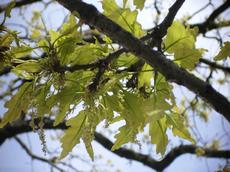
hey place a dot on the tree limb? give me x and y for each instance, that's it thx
(20, 127)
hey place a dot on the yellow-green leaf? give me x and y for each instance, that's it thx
(22, 51)
(123, 16)
(139, 4)
(157, 131)
(145, 76)
(224, 52)
(73, 133)
(18, 104)
(31, 66)
(180, 41)
(6, 39)
(125, 135)
(178, 126)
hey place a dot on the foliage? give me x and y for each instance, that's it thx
(59, 82)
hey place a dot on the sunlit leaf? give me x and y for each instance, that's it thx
(31, 66)
(122, 16)
(157, 131)
(181, 42)
(139, 4)
(224, 52)
(22, 51)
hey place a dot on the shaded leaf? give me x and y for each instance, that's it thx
(18, 104)
(73, 133)
(157, 131)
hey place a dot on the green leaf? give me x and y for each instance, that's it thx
(139, 4)
(30, 66)
(180, 41)
(35, 34)
(224, 52)
(18, 104)
(126, 59)
(73, 133)
(65, 98)
(134, 110)
(123, 16)
(66, 47)
(70, 27)
(178, 126)
(36, 16)
(53, 36)
(86, 53)
(125, 135)
(22, 74)
(6, 39)
(157, 131)
(22, 51)
(145, 76)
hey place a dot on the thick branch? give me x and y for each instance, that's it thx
(20, 127)
(156, 59)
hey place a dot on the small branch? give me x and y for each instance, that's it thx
(215, 65)
(19, 4)
(33, 156)
(218, 11)
(168, 20)
(210, 23)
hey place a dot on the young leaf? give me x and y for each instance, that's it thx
(224, 52)
(18, 104)
(65, 97)
(6, 39)
(123, 16)
(179, 129)
(139, 4)
(145, 76)
(73, 133)
(157, 131)
(85, 54)
(22, 51)
(125, 135)
(31, 66)
(181, 42)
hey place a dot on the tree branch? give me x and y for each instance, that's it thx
(210, 24)
(215, 65)
(19, 4)
(33, 156)
(157, 60)
(20, 127)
